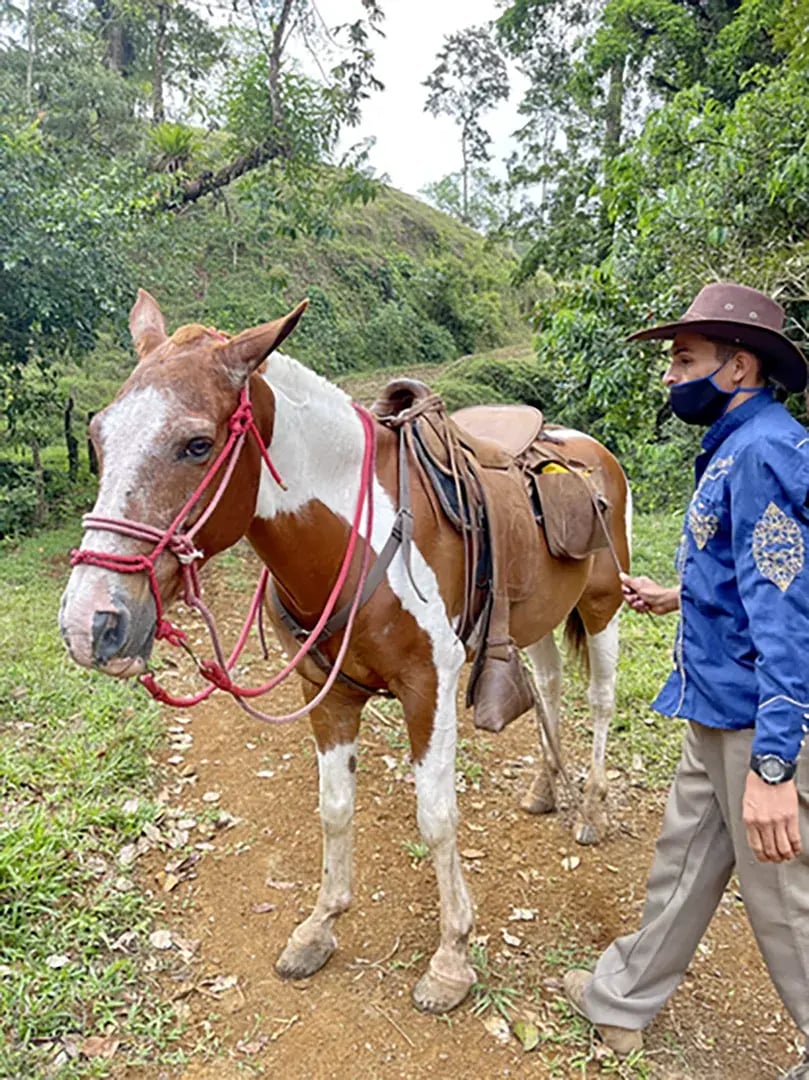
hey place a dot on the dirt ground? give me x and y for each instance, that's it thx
(247, 795)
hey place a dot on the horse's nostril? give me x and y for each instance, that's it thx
(109, 633)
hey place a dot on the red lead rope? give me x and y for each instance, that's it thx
(181, 544)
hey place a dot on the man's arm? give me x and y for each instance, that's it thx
(643, 594)
(770, 546)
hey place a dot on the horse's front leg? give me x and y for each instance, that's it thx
(591, 821)
(433, 730)
(335, 723)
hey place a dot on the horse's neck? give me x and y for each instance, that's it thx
(317, 443)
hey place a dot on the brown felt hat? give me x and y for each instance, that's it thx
(742, 316)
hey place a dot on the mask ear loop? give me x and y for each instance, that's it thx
(738, 390)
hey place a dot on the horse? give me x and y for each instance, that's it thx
(292, 492)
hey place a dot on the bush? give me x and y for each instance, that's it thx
(18, 499)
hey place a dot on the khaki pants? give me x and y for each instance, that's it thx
(702, 839)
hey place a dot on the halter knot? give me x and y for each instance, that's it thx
(242, 419)
(182, 546)
(150, 683)
(167, 631)
(216, 674)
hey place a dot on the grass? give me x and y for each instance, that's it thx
(76, 784)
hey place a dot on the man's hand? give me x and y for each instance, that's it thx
(643, 594)
(770, 813)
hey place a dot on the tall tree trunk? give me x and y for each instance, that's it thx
(41, 508)
(72, 443)
(158, 105)
(120, 51)
(464, 180)
(613, 123)
(30, 40)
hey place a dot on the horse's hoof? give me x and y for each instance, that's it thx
(537, 804)
(434, 994)
(587, 833)
(298, 961)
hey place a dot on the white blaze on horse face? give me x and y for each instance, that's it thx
(129, 433)
(132, 433)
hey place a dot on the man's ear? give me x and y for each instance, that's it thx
(243, 354)
(146, 324)
(746, 367)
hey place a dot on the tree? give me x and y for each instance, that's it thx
(487, 202)
(469, 79)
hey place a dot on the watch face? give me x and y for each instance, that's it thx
(772, 769)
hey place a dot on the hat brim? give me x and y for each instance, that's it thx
(786, 361)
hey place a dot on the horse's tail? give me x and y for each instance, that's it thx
(576, 640)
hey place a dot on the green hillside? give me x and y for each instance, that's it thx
(393, 283)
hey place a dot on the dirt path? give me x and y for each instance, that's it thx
(256, 878)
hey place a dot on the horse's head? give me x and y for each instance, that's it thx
(155, 444)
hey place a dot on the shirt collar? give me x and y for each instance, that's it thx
(721, 428)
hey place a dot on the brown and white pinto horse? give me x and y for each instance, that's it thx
(156, 440)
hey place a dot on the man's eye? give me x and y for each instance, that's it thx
(197, 448)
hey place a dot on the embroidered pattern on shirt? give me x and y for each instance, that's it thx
(778, 547)
(720, 467)
(680, 556)
(702, 526)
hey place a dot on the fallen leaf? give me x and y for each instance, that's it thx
(570, 862)
(57, 961)
(97, 1046)
(211, 796)
(511, 939)
(473, 853)
(521, 914)
(221, 983)
(498, 1027)
(262, 909)
(281, 884)
(527, 1033)
(160, 939)
(255, 1046)
(127, 855)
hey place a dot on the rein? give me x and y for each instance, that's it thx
(181, 544)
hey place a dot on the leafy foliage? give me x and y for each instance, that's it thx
(469, 79)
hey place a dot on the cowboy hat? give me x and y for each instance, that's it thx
(741, 316)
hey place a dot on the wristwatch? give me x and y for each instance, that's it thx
(771, 768)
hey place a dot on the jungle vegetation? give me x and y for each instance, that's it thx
(194, 149)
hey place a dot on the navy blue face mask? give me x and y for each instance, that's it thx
(701, 401)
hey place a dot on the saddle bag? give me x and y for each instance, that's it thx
(572, 510)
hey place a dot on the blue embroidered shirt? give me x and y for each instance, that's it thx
(741, 655)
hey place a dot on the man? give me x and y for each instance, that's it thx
(740, 796)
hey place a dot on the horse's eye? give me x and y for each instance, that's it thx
(197, 449)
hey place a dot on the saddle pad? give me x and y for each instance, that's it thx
(513, 427)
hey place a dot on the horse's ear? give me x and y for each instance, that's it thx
(243, 354)
(146, 324)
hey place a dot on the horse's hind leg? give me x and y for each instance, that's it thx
(602, 650)
(335, 723)
(433, 729)
(540, 798)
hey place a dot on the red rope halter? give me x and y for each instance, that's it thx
(181, 545)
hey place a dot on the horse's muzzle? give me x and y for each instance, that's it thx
(107, 630)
